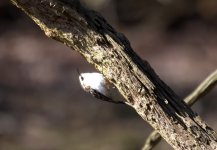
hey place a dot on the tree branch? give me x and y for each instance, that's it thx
(202, 89)
(205, 86)
(110, 52)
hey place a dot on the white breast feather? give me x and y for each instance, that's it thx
(99, 83)
(94, 80)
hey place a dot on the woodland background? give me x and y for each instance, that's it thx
(42, 106)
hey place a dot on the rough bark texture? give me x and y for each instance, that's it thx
(88, 33)
(154, 138)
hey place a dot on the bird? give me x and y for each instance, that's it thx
(99, 87)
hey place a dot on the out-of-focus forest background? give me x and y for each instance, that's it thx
(42, 106)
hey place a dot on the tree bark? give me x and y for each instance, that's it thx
(110, 52)
(205, 86)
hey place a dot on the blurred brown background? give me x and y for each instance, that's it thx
(42, 106)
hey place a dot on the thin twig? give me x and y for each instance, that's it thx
(204, 87)
(152, 140)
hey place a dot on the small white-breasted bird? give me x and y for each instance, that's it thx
(98, 86)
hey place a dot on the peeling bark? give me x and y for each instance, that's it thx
(110, 52)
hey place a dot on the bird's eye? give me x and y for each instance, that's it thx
(82, 78)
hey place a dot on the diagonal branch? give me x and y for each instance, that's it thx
(110, 52)
(204, 87)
